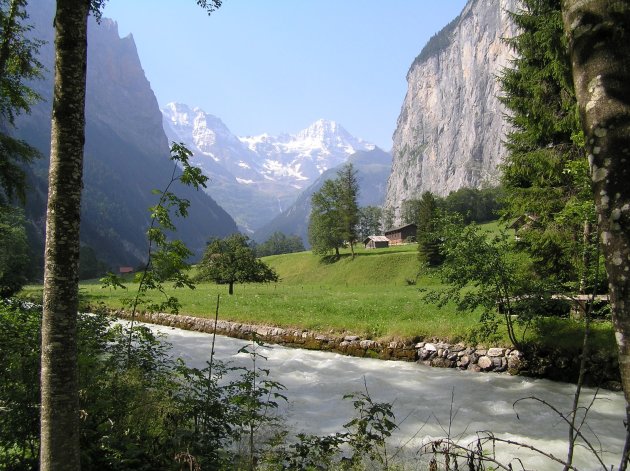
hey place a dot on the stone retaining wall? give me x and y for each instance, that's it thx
(552, 363)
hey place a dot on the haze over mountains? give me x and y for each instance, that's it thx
(449, 135)
(126, 151)
(255, 178)
(373, 168)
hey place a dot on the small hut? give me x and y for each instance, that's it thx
(376, 242)
(402, 234)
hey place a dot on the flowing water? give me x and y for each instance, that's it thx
(425, 401)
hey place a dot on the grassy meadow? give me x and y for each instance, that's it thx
(373, 296)
(367, 296)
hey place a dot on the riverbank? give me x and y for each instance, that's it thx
(551, 363)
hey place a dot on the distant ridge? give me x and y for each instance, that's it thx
(126, 151)
(373, 168)
(257, 177)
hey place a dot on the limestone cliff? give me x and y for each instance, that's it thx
(451, 126)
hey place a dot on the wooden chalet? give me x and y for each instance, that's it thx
(401, 235)
(376, 242)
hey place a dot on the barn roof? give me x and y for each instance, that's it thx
(376, 238)
(398, 229)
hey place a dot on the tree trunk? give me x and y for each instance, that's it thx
(231, 288)
(599, 31)
(60, 401)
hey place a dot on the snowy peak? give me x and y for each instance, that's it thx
(307, 154)
(277, 166)
(195, 126)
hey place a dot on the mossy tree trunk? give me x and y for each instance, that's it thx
(59, 386)
(599, 32)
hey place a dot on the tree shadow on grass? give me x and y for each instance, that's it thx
(330, 259)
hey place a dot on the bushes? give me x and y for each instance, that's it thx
(139, 408)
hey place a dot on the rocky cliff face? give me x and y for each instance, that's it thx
(451, 126)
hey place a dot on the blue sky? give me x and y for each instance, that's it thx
(278, 65)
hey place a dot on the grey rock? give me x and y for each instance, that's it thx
(495, 352)
(451, 128)
(485, 363)
(442, 363)
(368, 344)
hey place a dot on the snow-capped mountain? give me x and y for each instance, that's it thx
(266, 171)
(305, 156)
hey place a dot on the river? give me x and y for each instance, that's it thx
(425, 400)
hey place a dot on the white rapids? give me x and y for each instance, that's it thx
(421, 396)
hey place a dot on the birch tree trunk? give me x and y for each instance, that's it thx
(599, 35)
(59, 386)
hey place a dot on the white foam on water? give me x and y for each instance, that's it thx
(317, 381)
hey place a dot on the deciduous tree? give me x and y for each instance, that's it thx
(279, 243)
(324, 233)
(18, 64)
(598, 32)
(369, 221)
(232, 260)
(14, 255)
(335, 213)
(59, 386)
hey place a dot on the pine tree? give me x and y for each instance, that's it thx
(348, 207)
(428, 243)
(545, 171)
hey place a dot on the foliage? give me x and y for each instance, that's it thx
(365, 436)
(139, 411)
(166, 259)
(18, 65)
(335, 213)
(409, 211)
(279, 243)
(484, 271)
(545, 174)
(231, 260)
(19, 395)
(14, 252)
(89, 264)
(255, 394)
(369, 222)
(427, 236)
(387, 219)
(475, 205)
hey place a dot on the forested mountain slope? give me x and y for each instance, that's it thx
(126, 151)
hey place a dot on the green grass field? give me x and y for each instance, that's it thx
(369, 296)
